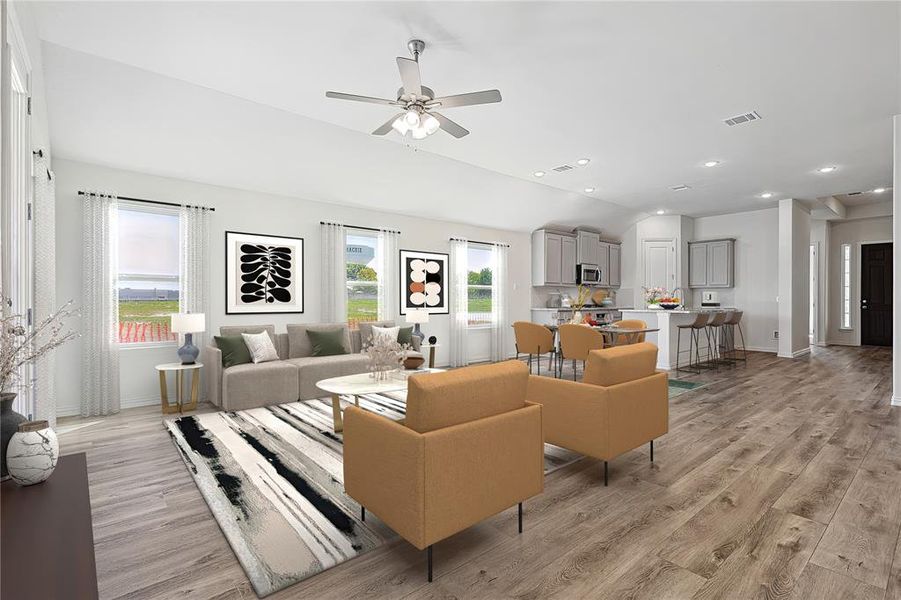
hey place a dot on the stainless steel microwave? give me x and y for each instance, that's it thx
(588, 274)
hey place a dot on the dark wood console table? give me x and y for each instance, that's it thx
(46, 536)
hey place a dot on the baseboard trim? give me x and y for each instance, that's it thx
(795, 354)
(123, 404)
(896, 400)
(768, 349)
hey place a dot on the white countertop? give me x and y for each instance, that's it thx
(592, 308)
(683, 311)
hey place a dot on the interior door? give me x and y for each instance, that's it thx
(876, 294)
(659, 264)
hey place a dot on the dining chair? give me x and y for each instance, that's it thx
(576, 341)
(632, 324)
(532, 338)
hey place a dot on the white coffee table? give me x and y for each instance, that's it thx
(362, 384)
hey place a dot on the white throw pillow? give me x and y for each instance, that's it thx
(385, 333)
(260, 346)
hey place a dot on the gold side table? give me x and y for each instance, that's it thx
(179, 370)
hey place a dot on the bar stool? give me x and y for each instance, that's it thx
(714, 336)
(532, 338)
(576, 341)
(694, 328)
(732, 321)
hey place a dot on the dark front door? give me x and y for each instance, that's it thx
(876, 294)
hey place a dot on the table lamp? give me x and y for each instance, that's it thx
(188, 324)
(417, 316)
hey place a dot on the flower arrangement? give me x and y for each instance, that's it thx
(20, 346)
(578, 303)
(384, 355)
(653, 295)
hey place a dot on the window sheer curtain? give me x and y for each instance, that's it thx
(193, 264)
(388, 276)
(100, 306)
(500, 325)
(44, 282)
(334, 273)
(459, 302)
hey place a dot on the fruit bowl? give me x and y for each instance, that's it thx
(669, 303)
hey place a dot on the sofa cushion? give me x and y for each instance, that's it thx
(251, 385)
(261, 347)
(234, 350)
(327, 343)
(619, 364)
(366, 329)
(405, 335)
(311, 369)
(299, 345)
(438, 400)
(239, 329)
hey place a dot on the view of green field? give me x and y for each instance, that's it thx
(147, 311)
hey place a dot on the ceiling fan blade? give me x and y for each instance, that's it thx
(387, 126)
(470, 99)
(409, 75)
(449, 126)
(355, 98)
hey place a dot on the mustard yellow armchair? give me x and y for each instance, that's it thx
(469, 448)
(621, 403)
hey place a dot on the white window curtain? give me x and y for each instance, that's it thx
(193, 264)
(500, 325)
(459, 302)
(388, 276)
(44, 282)
(100, 306)
(334, 273)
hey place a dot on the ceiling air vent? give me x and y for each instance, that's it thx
(680, 188)
(563, 168)
(855, 193)
(745, 118)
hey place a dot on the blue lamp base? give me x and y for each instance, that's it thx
(418, 333)
(189, 352)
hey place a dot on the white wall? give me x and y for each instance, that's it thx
(793, 278)
(258, 213)
(855, 233)
(819, 236)
(756, 236)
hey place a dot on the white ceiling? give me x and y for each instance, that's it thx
(233, 93)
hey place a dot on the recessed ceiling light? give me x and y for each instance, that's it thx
(826, 169)
(766, 195)
(711, 163)
(878, 190)
(583, 161)
(538, 173)
(660, 212)
(589, 190)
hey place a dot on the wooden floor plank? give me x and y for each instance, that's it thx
(823, 584)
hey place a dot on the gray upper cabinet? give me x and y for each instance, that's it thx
(604, 263)
(553, 258)
(615, 269)
(711, 264)
(589, 246)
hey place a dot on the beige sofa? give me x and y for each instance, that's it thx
(292, 377)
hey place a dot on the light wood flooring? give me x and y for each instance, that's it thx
(779, 479)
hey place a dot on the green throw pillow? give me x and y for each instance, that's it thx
(405, 335)
(234, 350)
(327, 343)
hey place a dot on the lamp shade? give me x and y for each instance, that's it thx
(417, 315)
(188, 322)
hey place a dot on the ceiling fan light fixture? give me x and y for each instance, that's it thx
(430, 124)
(400, 126)
(419, 133)
(412, 118)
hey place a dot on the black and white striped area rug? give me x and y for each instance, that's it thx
(273, 478)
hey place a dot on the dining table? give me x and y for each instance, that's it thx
(613, 334)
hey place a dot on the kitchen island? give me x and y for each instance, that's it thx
(667, 321)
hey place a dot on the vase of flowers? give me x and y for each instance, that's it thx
(653, 295)
(385, 355)
(21, 344)
(578, 303)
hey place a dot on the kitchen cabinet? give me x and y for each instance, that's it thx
(615, 270)
(553, 258)
(604, 263)
(589, 246)
(711, 263)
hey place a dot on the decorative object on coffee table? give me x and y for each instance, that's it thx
(263, 274)
(32, 453)
(418, 316)
(413, 362)
(384, 355)
(21, 345)
(423, 282)
(9, 424)
(188, 324)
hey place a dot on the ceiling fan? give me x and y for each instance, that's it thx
(418, 103)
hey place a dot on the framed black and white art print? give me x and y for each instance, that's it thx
(423, 282)
(263, 274)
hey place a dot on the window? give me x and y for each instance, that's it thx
(148, 274)
(361, 252)
(846, 286)
(480, 260)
